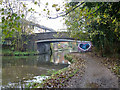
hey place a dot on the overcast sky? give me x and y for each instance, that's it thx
(42, 19)
(55, 24)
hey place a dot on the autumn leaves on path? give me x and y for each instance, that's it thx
(96, 75)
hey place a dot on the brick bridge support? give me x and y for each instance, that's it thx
(43, 48)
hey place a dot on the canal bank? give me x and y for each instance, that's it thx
(7, 52)
(85, 71)
(60, 78)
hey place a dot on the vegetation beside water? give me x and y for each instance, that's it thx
(69, 58)
(58, 79)
(7, 52)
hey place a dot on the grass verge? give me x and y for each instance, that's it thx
(18, 53)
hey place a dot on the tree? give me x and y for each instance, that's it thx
(100, 20)
(13, 15)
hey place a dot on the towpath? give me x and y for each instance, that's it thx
(96, 75)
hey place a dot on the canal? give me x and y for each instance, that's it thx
(17, 72)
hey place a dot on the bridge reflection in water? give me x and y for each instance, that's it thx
(17, 70)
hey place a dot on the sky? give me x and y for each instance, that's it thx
(55, 24)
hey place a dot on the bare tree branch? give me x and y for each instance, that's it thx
(10, 7)
(88, 15)
(67, 12)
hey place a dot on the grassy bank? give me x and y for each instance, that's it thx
(18, 53)
(60, 78)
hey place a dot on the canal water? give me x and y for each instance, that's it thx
(17, 72)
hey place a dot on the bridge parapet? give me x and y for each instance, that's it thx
(52, 35)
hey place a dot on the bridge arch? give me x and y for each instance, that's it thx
(43, 46)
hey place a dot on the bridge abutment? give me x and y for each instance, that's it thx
(43, 48)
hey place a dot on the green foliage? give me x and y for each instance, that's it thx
(54, 5)
(13, 24)
(57, 9)
(7, 52)
(35, 2)
(69, 58)
(98, 22)
(105, 30)
(17, 53)
(10, 25)
(49, 72)
(116, 69)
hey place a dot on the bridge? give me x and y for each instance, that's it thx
(41, 41)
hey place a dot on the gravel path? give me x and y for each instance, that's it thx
(96, 75)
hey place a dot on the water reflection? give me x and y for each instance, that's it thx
(20, 69)
(58, 57)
